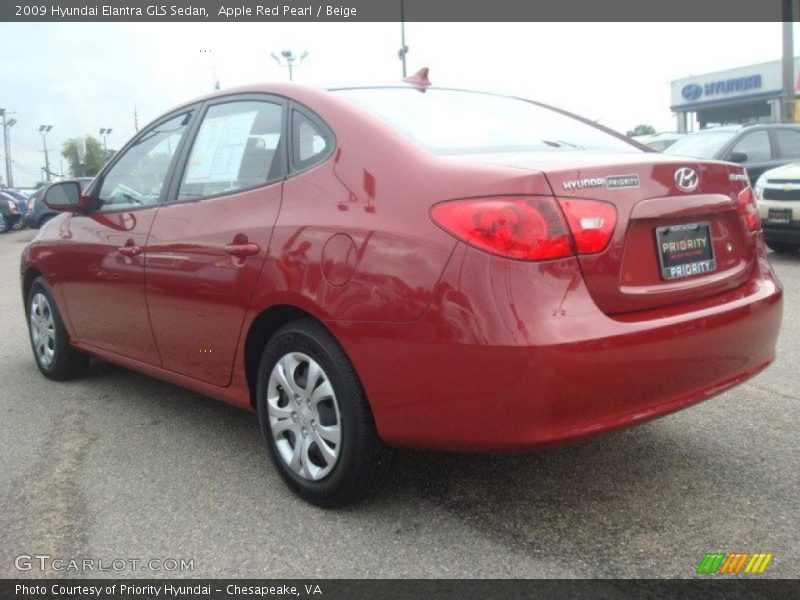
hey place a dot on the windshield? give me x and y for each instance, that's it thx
(457, 122)
(703, 144)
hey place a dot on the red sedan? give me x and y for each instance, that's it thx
(405, 266)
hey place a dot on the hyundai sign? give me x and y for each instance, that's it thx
(692, 92)
(762, 81)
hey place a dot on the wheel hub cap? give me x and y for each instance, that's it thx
(43, 332)
(304, 416)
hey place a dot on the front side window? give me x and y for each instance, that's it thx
(138, 176)
(755, 146)
(237, 147)
(460, 122)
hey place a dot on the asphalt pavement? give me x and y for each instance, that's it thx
(119, 466)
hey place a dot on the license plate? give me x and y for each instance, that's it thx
(781, 216)
(685, 250)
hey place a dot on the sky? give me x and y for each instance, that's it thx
(79, 77)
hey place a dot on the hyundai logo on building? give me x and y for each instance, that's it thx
(691, 92)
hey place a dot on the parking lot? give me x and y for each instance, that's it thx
(119, 465)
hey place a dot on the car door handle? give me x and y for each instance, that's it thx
(242, 250)
(130, 251)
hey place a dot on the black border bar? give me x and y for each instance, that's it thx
(417, 589)
(389, 10)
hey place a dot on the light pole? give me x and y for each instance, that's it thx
(44, 130)
(105, 132)
(401, 54)
(7, 124)
(787, 64)
(289, 60)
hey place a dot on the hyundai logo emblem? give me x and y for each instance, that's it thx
(686, 179)
(691, 92)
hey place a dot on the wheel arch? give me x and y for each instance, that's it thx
(30, 275)
(262, 328)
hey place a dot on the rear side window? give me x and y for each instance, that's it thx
(788, 143)
(459, 122)
(310, 144)
(238, 146)
(755, 145)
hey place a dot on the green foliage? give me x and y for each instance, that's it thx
(642, 130)
(84, 164)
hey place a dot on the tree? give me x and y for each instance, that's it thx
(84, 163)
(642, 130)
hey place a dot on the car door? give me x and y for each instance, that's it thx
(208, 242)
(101, 252)
(756, 148)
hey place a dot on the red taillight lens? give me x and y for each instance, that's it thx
(522, 228)
(748, 208)
(591, 222)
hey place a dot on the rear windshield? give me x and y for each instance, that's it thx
(459, 122)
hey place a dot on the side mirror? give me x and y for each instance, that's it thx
(738, 157)
(65, 196)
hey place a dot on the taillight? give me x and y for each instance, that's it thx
(591, 223)
(748, 208)
(523, 228)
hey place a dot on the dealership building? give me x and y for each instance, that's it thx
(743, 95)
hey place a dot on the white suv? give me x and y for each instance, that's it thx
(778, 194)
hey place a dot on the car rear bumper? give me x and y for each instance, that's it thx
(545, 366)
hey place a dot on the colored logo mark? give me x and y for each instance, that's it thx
(736, 562)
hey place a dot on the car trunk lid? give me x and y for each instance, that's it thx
(636, 271)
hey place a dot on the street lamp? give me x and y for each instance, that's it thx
(289, 60)
(105, 132)
(44, 130)
(7, 124)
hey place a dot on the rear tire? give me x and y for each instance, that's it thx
(56, 359)
(5, 225)
(783, 247)
(320, 432)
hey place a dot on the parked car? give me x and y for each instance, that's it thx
(659, 141)
(372, 268)
(778, 194)
(10, 216)
(38, 213)
(757, 147)
(21, 200)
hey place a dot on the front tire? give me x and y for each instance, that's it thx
(18, 224)
(56, 359)
(783, 247)
(316, 420)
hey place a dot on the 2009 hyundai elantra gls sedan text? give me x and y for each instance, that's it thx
(371, 268)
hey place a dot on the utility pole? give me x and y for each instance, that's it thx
(44, 130)
(7, 125)
(289, 60)
(401, 54)
(787, 104)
